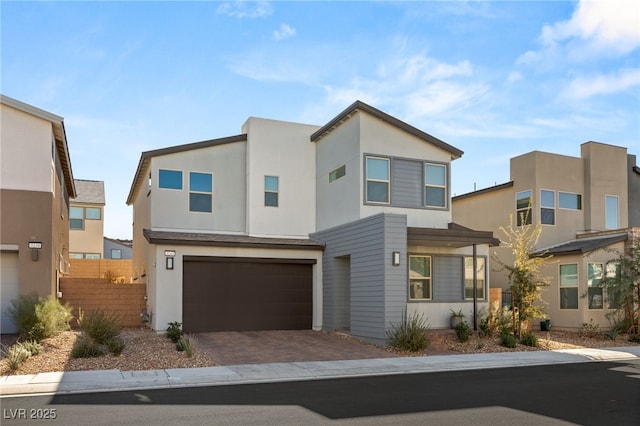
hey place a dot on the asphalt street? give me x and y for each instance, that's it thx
(595, 393)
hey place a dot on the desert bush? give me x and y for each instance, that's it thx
(529, 339)
(33, 347)
(87, 348)
(589, 329)
(115, 345)
(507, 339)
(100, 326)
(16, 355)
(186, 345)
(463, 331)
(174, 331)
(634, 338)
(38, 318)
(410, 334)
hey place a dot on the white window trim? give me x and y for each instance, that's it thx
(560, 286)
(483, 278)
(270, 191)
(568, 209)
(388, 181)
(190, 191)
(430, 278)
(602, 266)
(554, 208)
(445, 186)
(530, 207)
(617, 208)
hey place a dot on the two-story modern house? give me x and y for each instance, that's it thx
(293, 226)
(586, 206)
(86, 220)
(36, 183)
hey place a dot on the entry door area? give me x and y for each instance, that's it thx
(246, 294)
(9, 288)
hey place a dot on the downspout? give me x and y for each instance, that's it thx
(475, 288)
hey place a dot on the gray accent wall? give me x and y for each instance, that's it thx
(407, 183)
(362, 290)
(448, 278)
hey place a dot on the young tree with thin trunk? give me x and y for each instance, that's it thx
(623, 286)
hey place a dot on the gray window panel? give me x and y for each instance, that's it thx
(116, 254)
(547, 198)
(93, 213)
(200, 202)
(435, 197)
(271, 199)
(611, 212)
(271, 183)
(377, 168)
(378, 192)
(548, 216)
(569, 201)
(569, 298)
(200, 182)
(76, 224)
(170, 179)
(435, 175)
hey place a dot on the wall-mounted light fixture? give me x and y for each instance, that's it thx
(35, 247)
(395, 258)
(168, 257)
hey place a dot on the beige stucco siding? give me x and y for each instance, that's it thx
(89, 239)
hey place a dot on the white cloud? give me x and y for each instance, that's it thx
(585, 87)
(285, 31)
(242, 9)
(513, 77)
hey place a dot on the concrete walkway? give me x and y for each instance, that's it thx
(116, 380)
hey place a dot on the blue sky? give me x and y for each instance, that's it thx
(494, 79)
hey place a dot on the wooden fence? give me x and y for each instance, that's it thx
(117, 270)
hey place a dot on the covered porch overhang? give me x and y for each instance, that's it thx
(454, 236)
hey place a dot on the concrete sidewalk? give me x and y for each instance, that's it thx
(116, 380)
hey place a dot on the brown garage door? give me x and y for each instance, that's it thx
(238, 294)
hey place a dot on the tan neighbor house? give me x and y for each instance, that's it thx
(86, 221)
(36, 182)
(587, 206)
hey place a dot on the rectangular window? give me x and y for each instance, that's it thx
(76, 256)
(92, 256)
(547, 207)
(468, 277)
(378, 182)
(594, 284)
(337, 173)
(76, 218)
(419, 277)
(93, 213)
(170, 179)
(569, 201)
(200, 192)
(611, 212)
(271, 185)
(569, 286)
(435, 182)
(116, 254)
(523, 208)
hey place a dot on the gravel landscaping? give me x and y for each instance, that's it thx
(145, 350)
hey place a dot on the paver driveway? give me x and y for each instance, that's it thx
(257, 347)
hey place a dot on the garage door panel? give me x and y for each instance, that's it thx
(243, 296)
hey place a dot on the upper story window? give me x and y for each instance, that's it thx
(200, 192)
(547, 207)
(77, 216)
(523, 207)
(611, 212)
(336, 174)
(378, 181)
(170, 179)
(116, 253)
(271, 191)
(567, 200)
(435, 185)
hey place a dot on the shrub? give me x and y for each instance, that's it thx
(115, 345)
(186, 345)
(589, 329)
(634, 338)
(529, 339)
(174, 331)
(100, 326)
(507, 339)
(33, 347)
(410, 334)
(463, 331)
(38, 318)
(612, 334)
(87, 348)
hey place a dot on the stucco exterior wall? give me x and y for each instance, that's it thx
(89, 239)
(141, 221)
(280, 149)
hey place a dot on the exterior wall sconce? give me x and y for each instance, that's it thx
(169, 257)
(35, 247)
(395, 258)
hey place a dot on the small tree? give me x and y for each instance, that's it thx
(525, 276)
(623, 286)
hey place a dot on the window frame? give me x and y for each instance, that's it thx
(482, 278)
(578, 197)
(444, 187)
(428, 280)
(170, 187)
(81, 219)
(272, 192)
(599, 286)
(116, 250)
(569, 287)
(376, 180)
(86, 213)
(528, 219)
(337, 173)
(200, 192)
(608, 197)
(548, 208)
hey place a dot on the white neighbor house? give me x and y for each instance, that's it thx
(292, 226)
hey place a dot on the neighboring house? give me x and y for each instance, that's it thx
(117, 249)
(292, 226)
(86, 220)
(587, 207)
(36, 182)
